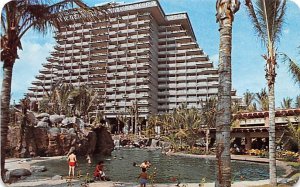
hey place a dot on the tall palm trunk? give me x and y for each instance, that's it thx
(272, 137)
(136, 130)
(225, 11)
(271, 74)
(5, 99)
(22, 126)
(223, 119)
(207, 140)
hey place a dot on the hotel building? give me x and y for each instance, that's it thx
(135, 54)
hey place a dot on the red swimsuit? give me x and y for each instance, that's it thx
(72, 163)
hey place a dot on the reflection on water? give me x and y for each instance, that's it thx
(119, 167)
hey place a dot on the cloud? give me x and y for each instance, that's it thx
(297, 2)
(28, 66)
(215, 59)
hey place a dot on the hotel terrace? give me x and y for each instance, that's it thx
(251, 125)
(133, 54)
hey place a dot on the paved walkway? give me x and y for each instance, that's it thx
(235, 184)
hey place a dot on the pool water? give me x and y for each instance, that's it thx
(119, 167)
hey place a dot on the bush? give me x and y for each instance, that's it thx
(256, 152)
(289, 156)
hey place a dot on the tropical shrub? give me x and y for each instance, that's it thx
(256, 152)
(289, 156)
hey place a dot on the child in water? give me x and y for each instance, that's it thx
(143, 177)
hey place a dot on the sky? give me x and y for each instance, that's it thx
(247, 63)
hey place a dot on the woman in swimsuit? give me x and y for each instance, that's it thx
(72, 162)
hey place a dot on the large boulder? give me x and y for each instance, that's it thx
(63, 130)
(34, 169)
(42, 124)
(54, 131)
(41, 140)
(45, 119)
(104, 144)
(80, 123)
(19, 172)
(88, 141)
(54, 146)
(68, 121)
(72, 131)
(42, 115)
(13, 140)
(31, 117)
(56, 118)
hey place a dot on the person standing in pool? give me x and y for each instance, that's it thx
(72, 163)
(146, 164)
(143, 177)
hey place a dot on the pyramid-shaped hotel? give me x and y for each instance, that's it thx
(135, 53)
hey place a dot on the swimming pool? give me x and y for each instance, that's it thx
(119, 167)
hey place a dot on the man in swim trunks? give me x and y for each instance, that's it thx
(143, 177)
(72, 162)
(146, 164)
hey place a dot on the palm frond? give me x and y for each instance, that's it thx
(280, 20)
(262, 99)
(286, 103)
(294, 68)
(294, 131)
(255, 20)
(267, 17)
(42, 15)
(249, 97)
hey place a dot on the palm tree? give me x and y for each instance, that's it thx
(62, 97)
(192, 124)
(262, 99)
(17, 17)
(57, 99)
(154, 121)
(166, 123)
(249, 99)
(209, 113)
(123, 119)
(84, 99)
(225, 16)
(287, 103)
(134, 113)
(267, 17)
(25, 105)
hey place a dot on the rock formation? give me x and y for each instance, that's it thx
(55, 135)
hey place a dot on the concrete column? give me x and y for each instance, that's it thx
(267, 121)
(147, 123)
(248, 141)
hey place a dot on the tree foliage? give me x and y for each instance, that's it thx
(69, 100)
